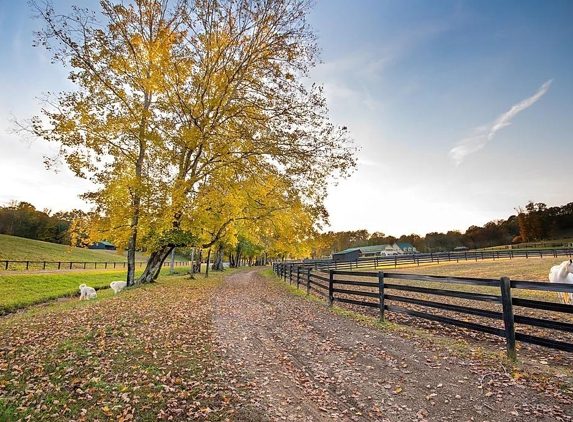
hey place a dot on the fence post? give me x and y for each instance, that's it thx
(290, 274)
(508, 320)
(297, 276)
(330, 288)
(381, 293)
(308, 281)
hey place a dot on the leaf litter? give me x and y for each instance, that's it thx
(247, 349)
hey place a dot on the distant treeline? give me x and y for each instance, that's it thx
(24, 220)
(533, 223)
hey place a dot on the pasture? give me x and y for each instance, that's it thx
(15, 248)
(18, 254)
(19, 290)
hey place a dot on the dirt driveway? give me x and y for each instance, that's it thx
(304, 362)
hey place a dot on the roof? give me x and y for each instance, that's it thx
(364, 249)
(346, 251)
(106, 243)
(405, 245)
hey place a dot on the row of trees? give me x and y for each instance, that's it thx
(195, 121)
(24, 220)
(532, 223)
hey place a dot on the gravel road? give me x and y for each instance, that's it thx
(307, 363)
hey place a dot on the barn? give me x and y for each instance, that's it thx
(102, 245)
(352, 254)
(347, 255)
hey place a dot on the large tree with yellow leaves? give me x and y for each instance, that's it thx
(191, 116)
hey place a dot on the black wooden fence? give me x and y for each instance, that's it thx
(376, 290)
(74, 265)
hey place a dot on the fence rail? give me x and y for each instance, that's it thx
(74, 265)
(494, 303)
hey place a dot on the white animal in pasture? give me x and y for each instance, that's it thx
(87, 292)
(562, 273)
(118, 286)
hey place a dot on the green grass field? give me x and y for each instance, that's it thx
(21, 290)
(20, 249)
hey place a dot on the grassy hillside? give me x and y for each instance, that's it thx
(14, 248)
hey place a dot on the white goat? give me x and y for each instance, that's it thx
(562, 273)
(118, 286)
(87, 292)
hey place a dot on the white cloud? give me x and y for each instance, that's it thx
(484, 134)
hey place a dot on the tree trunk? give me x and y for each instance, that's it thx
(192, 260)
(199, 259)
(154, 264)
(131, 257)
(136, 195)
(172, 265)
(218, 261)
(208, 260)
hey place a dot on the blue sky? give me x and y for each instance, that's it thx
(463, 110)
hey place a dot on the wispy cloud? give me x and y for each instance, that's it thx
(484, 134)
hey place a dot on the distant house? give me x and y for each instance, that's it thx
(460, 249)
(404, 248)
(102, 245)
(351, 254)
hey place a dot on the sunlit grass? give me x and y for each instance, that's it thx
(21, 289)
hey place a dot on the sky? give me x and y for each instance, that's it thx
(462, 110)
